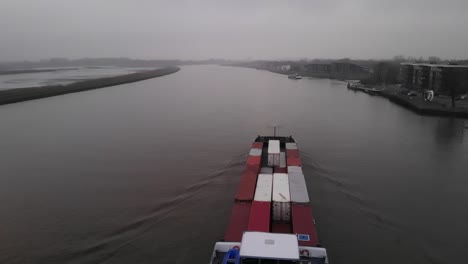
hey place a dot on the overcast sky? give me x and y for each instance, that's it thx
(237, 29)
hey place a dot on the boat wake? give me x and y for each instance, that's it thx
(109, 246)
(354, 203)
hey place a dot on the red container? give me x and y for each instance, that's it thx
(238, 222)
(292, 153)
(260, 217)
(257, 145)
(254, 168)
(247, 185)
(283, 228)
(280, 170)
(253, 163)
(254, 160)
(303, 225)
(292, 161)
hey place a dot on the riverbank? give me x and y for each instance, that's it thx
(329, 69)
(286, 72)
(440, 106)
(11, 72)
(24, 94)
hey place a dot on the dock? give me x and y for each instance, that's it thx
(359, 87)
(440, 106)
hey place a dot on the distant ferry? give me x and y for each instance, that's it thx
(295, 76)
(271, 218)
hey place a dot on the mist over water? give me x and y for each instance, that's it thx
(146, 172)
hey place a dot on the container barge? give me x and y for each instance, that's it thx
(271, 218)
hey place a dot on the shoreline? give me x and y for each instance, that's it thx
(424, 108)
(261, 69)
(17, 95)
(439, 107)
(12, 72)
(318, 75)
(416, 105)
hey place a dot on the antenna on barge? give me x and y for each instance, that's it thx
(275, 127)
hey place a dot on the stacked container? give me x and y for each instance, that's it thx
(293, 161)
(260, 211)
(255, 152)
(253, 163)
(246, 190)
(240, 213)
(257, 145)
(298, 188)
(273, 153)
(282, 160)
(255, 157)
(291, 146)
(295, 169)
(303, 224)
(293, 153)
(238, 222)
(264, 188)
(266, 170)
(281, 198)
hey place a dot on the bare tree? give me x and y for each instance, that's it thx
(399, 58)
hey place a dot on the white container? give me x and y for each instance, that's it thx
(274, 146)
(298, 188)
(255, 152)
(273, 153)
(266, 170)
(281, 198)
(295, 169)
(264, 188)
(291, 146)
(281, 188)
(282, 160)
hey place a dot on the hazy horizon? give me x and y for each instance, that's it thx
(406, 58)
(238, 30)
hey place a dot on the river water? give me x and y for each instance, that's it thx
(146, 172)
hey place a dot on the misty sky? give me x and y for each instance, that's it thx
(237, 29)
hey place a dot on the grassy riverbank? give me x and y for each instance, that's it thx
(25, 94)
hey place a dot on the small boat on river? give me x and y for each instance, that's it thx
(294, 76)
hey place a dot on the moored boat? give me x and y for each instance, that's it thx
(271, 218)
(295, 76)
